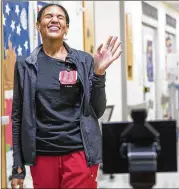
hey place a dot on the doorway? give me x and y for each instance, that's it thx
(149, 69)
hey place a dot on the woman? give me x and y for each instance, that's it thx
(59, 94)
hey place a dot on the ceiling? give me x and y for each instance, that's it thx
(173, 4)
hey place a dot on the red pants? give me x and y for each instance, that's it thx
(68, 171)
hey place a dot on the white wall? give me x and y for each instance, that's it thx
(75, 34)
(135, 86)
(107, 22)
(32, 25)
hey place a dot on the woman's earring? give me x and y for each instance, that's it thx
(65, 38)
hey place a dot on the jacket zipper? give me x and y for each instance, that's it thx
(85, 148)
(84, 143)
(34, 107)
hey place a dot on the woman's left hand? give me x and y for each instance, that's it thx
(103, 58)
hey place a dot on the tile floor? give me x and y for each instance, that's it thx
(164, 180)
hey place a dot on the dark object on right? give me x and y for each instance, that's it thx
(140, 148)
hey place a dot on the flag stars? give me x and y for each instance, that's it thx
(13, 25)
(14, 21)
(19, 50)
(18, 29)
(26, 45)
(4, 20)
(7, 9)
(17, 10)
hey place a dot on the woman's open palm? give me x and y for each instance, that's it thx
(103, 58)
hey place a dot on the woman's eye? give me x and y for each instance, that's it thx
(60, 17)
(48, 16)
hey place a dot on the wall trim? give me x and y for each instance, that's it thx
(171, 30)
(149, 21)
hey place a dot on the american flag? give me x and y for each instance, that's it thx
(15, 25)
(16, 38)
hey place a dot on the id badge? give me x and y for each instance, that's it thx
(68, 77)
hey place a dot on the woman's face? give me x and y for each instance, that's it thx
(53, 23)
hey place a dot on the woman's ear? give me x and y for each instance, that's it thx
(38, 26)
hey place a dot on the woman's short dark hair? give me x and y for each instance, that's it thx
(52, 4)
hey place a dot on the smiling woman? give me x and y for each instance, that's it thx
(53, 23)
(59, 94)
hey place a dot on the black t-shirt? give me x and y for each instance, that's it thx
(58, 109)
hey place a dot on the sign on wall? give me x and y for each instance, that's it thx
(150, 74)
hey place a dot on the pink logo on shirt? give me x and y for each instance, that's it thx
(68, 77)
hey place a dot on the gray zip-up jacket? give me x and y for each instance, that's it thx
(24, 107)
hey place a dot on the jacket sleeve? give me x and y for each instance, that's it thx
(97, 91)
(16, 121)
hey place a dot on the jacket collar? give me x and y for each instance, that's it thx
(32, 59)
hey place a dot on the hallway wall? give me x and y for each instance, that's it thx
(135, 87)
(107, 23)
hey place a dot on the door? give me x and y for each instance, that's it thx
(149, 69)
(88, 26)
